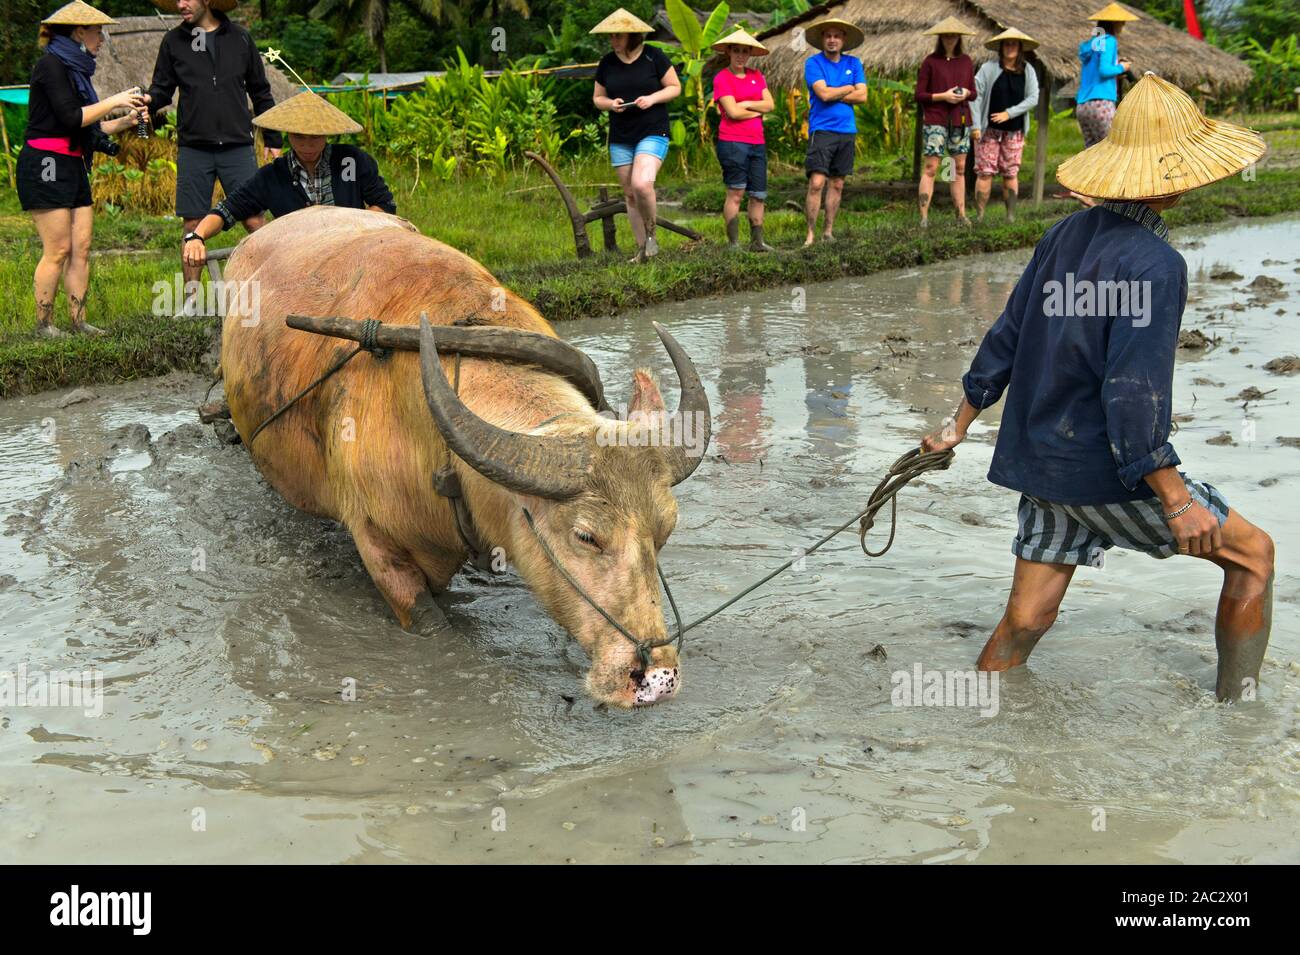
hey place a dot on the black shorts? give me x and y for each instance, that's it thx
(830, 154)
(199, 167)
(49, 180)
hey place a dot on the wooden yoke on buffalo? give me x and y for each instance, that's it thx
(604, 210)
(215, 256)
(474, 341)
(477, 341)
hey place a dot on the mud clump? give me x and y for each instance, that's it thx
(1250, 393)
(1226, 275)
(1288, 442)
(1223, 438)
(1284, 365)
(1196, 340)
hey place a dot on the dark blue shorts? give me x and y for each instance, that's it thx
(744, 166)
(199, 167)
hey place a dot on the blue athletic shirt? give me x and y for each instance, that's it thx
(832, 117)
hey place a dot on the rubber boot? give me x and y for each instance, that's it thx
(1010, 199)
(756, 243)
(733, 232)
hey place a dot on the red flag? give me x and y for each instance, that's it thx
(1193, 25)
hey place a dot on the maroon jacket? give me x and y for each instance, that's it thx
(939, 75)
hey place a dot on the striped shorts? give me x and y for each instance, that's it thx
(1080, 533)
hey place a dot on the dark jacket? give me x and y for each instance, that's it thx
(53, 106)
(1087, 415)
(354, 175)
(216, 81)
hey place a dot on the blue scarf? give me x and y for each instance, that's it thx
(80, 64)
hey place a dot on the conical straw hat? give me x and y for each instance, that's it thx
(620, 21)
(308, 115)
(1159, 145)
(1113, 13)
(169, 6)
(853, 37)
(77, 14)
(741, 38)
(1027, 42)
(949, 25)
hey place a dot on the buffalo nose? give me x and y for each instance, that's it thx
(656, 684)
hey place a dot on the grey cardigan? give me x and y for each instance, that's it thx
(988, 75)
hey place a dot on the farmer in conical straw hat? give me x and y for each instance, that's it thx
(945, 85)
(1100, 66)
(66, 118)
(1006, 92)
(1085, 353)
(743, 98)
(836, 83)
(215, 65)
(634, 83)
(313, 172)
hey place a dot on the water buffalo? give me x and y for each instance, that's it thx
(362, 448)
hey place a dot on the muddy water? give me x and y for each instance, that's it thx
(226, 625)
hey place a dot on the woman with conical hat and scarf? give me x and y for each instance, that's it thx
(65, 114)
(1084, 352)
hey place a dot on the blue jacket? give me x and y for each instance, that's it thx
(1099, 56)
(1087, 364)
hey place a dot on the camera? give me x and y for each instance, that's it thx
(101, 142)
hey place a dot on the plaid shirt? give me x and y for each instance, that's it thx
(1140, 213)
(318, 186)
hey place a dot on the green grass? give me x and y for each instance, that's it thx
(516, 227)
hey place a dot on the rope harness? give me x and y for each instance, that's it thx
(446, 483)
(902, 472)
(369, 328)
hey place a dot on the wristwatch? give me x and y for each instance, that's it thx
(193, 235)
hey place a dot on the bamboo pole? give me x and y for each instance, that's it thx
(9, 159)
(1044, 121)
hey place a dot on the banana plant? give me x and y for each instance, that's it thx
(695, 50)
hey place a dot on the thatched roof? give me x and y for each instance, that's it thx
(131, 48)
(895, 47)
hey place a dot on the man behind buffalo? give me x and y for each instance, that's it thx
(314, 172)
(218, 70)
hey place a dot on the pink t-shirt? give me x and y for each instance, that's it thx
(744, 89)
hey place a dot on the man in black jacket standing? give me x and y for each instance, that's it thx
(217, 68)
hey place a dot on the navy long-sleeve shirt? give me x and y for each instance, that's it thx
(1085, 353)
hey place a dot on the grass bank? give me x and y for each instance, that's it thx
(516, 227)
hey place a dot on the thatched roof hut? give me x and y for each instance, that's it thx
(131, 48)
(895, 47)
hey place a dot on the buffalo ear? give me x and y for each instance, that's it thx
(646, 398)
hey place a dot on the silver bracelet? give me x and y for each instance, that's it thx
(1181, 510)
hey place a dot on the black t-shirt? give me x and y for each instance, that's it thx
(627, 81)
(1008, 90)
